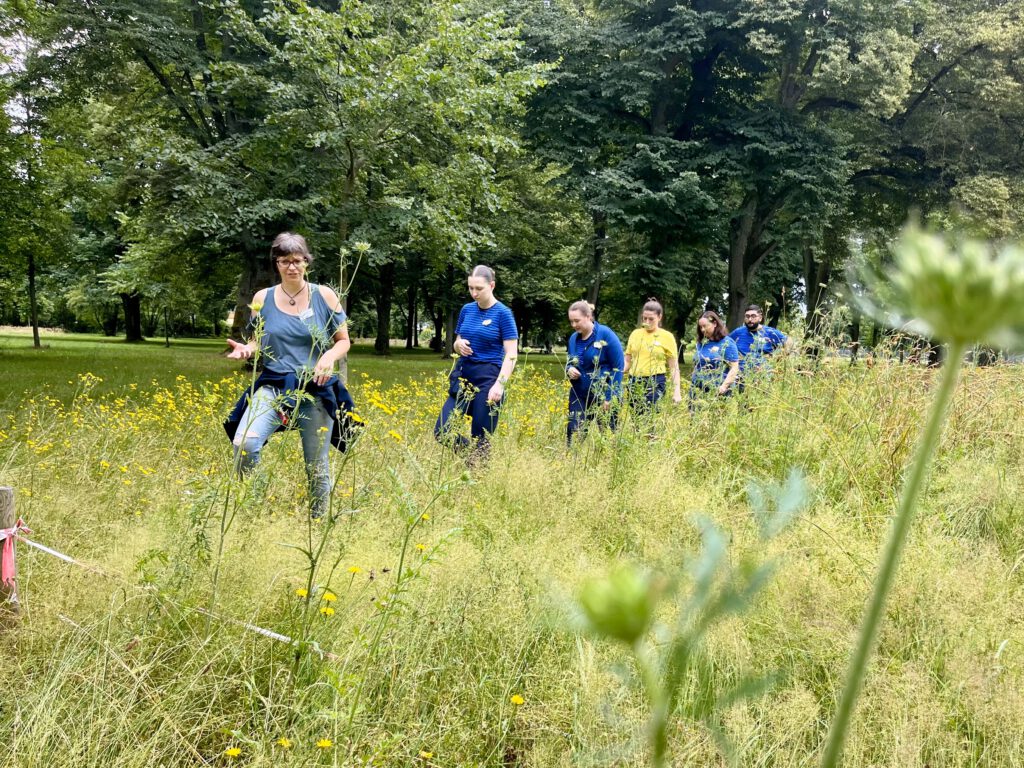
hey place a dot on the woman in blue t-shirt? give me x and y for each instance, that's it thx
(716, 360)
(486, 340)
(594, 369)
(300, 336)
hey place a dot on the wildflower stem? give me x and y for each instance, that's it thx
(891, 557)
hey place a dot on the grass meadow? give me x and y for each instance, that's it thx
(431, 615)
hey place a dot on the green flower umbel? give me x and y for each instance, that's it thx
(620, 605)
(965, 293)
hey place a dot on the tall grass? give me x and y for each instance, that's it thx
(444, 622)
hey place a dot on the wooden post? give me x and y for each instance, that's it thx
(8, 596)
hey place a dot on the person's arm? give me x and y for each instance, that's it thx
(507, 365)
(731, 356)
(324, 368)
(730, 377)
(461, 345)
(616, 361)
(570, 368)
(673, 366)
(248, 349)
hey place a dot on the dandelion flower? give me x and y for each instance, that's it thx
(325, 744)
(329, 597)
(395, 435)
(421, 547)
(301, 593)
(232, 752)
(354, 569)
(424, 517)
(517, 700)
(327, 610)
(426, 755)
(284, 742)
(256, 306)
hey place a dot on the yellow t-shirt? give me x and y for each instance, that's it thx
(650, 352)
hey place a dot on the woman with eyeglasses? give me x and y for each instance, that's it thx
(298, 335)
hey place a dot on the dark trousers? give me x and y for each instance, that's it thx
(468, 385)
(707, 392)
(645, 392)
(584, 407)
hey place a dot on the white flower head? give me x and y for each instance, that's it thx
(964, 294)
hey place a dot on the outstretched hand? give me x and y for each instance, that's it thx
(239, 351)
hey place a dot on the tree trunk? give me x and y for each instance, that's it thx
(597, 256)
(411, 336)
(817, 274)
(257, 273)
(776, 309)
(740, 241)
(453, 313)
(132, 305)
(385, 298)
(33, 304)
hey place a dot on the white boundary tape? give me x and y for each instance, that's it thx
(268, 633)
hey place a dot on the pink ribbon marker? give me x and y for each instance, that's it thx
(7, 536)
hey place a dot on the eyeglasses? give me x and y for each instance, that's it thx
(286, 263)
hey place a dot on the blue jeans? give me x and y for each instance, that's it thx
(262, 418)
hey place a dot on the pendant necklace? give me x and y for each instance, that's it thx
(291, 296)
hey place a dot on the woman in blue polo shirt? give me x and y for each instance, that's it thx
(486, 341)
(716, 361)
(594, 369)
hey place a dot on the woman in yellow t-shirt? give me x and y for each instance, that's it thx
(650, 354)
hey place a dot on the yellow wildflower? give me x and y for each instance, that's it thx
(284, 742)
(421, 547)
(395, 435)
(424, 517)
(256, 306)
(327, 610)
(301, 593)
(232, 751)
(329, 597)
(325, 743)
(353, 569)
(517, 700)
(426, 755)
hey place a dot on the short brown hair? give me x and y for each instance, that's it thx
(719, 332)
(290, 244)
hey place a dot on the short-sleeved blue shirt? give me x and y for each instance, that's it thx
(755, 347)
(599, 360)
(486, 330)
(711, 362)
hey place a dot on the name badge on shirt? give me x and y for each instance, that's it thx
(306, 313)
(486, 322)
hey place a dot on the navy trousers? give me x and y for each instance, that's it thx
(468, 385)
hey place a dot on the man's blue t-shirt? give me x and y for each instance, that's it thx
(755, 347)
(599, 360)
(486, 329)
(711, 362)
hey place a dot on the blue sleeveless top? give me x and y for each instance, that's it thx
(293, 343)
